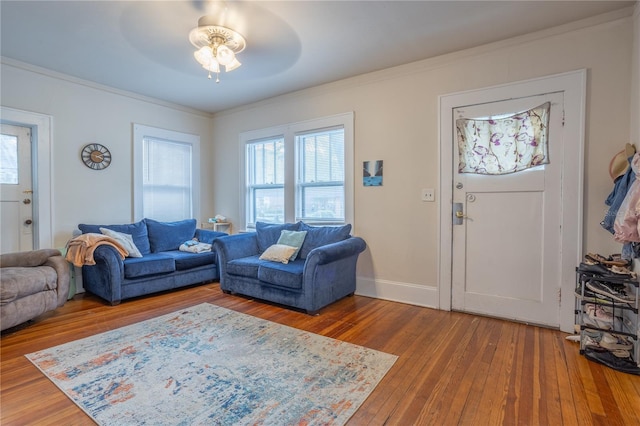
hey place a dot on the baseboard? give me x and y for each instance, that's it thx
(412, 294)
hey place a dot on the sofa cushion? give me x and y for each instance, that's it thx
(187, 260)
(125, 241)
(278, 253)
(154, 263)
(289, 276)
(322, 235)
(165, 236)
(268, 233)
(245, 266)
(138, 232)
(293, 239)
(19, 282)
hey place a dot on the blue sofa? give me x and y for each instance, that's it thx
(323, 271)
(162, 265)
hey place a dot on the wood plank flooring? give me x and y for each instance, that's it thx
(453, 368)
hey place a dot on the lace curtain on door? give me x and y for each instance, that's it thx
(497, 146)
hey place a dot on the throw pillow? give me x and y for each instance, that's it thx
(137, 230)
(165, 236)
(322, 235)
(293, 239)
(268, 233)
(278, 253)
(125, 241)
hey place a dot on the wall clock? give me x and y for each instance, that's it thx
(96, 156)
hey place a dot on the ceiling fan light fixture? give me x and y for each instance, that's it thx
(216, 46)
(233, 65)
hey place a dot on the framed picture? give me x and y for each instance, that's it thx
(372, 173)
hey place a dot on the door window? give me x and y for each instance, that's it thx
(502, 145)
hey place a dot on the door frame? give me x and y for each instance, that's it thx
(41, 137)
(573, 84)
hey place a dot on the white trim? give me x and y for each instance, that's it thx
(573, 84)
(41, 129)
(395, 291)
(289, 131)
(139, 133)
(93, 85)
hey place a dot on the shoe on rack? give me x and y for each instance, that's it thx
(621, 353)
(594, 323)
(591, 297)
(596, 269)
(613, 260)
(625, 365)
(597, 313)
(614, 342)
(613, 291)
(589, 342)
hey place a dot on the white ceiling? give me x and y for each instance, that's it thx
(143, 46)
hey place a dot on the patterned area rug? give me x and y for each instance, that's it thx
(208, 365)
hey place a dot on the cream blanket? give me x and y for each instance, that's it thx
(80, 249)
(193, 246)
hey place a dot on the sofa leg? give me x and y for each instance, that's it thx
(226, 291)
(115, 302)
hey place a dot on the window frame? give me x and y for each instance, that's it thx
(291, 158)
(140, 132)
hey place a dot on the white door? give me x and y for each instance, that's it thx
(506, 258)
(16, 201)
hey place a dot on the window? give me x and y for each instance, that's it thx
(166, 174)
(9, 159)
(301, 171)
(320, 183)
(266, 180)
(506, 144)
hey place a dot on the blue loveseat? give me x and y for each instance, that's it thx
(162, 265)
(322, 271)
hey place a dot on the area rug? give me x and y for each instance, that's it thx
(208, 365)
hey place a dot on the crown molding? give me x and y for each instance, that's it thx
(102, 87)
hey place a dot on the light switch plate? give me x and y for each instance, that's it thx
(428, 194)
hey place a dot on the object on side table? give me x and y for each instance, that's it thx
(31, 283)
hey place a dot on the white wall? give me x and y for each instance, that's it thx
(84, 113)
(396, 120)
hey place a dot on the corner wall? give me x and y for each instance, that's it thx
(396, 120)
(82, 113)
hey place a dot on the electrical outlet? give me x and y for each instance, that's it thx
(428, 194)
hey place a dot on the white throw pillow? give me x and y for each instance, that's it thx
(278, 253)
(125, 240)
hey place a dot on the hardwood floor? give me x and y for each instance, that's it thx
(453, 368)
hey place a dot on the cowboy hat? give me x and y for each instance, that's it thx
(620, 162)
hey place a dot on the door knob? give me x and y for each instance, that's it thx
(26, 201)
(460, 215)
(28, 222)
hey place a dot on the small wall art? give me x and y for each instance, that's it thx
(372, 173)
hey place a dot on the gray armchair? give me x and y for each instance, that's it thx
(31, 283)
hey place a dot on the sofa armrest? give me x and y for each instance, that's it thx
(63, 272)
(27, 258)
(105, 278)
(336, 251)
(208, 236)
(330, 272)
(236, 246)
